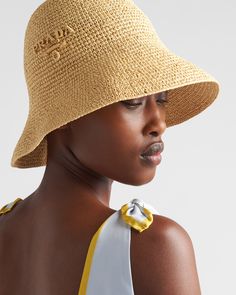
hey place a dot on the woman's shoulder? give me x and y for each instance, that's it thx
(167, 252)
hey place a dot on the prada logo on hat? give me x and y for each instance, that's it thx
(53, 42)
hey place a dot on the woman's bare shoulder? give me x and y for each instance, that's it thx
(165, 260)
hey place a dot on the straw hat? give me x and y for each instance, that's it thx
(82, 55)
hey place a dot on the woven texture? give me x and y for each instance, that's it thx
(82, 55)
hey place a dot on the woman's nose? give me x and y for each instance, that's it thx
(156, 117)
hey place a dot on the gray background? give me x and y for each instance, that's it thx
(195, 182)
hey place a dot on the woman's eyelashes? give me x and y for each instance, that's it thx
(134, 102)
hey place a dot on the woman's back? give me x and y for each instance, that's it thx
(41, 261)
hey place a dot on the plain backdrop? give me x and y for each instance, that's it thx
(195, 182)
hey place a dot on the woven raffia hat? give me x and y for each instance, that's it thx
(82, 55)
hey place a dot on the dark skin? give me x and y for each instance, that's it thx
(61, 216)
(82, 155)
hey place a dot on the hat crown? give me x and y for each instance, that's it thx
(67, 36)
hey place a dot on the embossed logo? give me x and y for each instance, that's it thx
(53, 42)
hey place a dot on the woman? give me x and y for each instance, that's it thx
(103, 88)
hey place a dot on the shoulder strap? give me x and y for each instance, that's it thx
(8, 207)
(138, 214)
(107, 268)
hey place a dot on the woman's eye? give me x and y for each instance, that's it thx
(164, 95)
(129, 104)
(163, 102)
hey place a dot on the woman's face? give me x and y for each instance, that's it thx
(110, 140)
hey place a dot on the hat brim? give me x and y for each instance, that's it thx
(190, 91)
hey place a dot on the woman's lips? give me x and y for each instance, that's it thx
(153, 160)
(153, 149)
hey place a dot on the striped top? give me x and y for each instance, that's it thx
(107, 267)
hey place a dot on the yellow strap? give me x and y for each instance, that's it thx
(8, 207)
